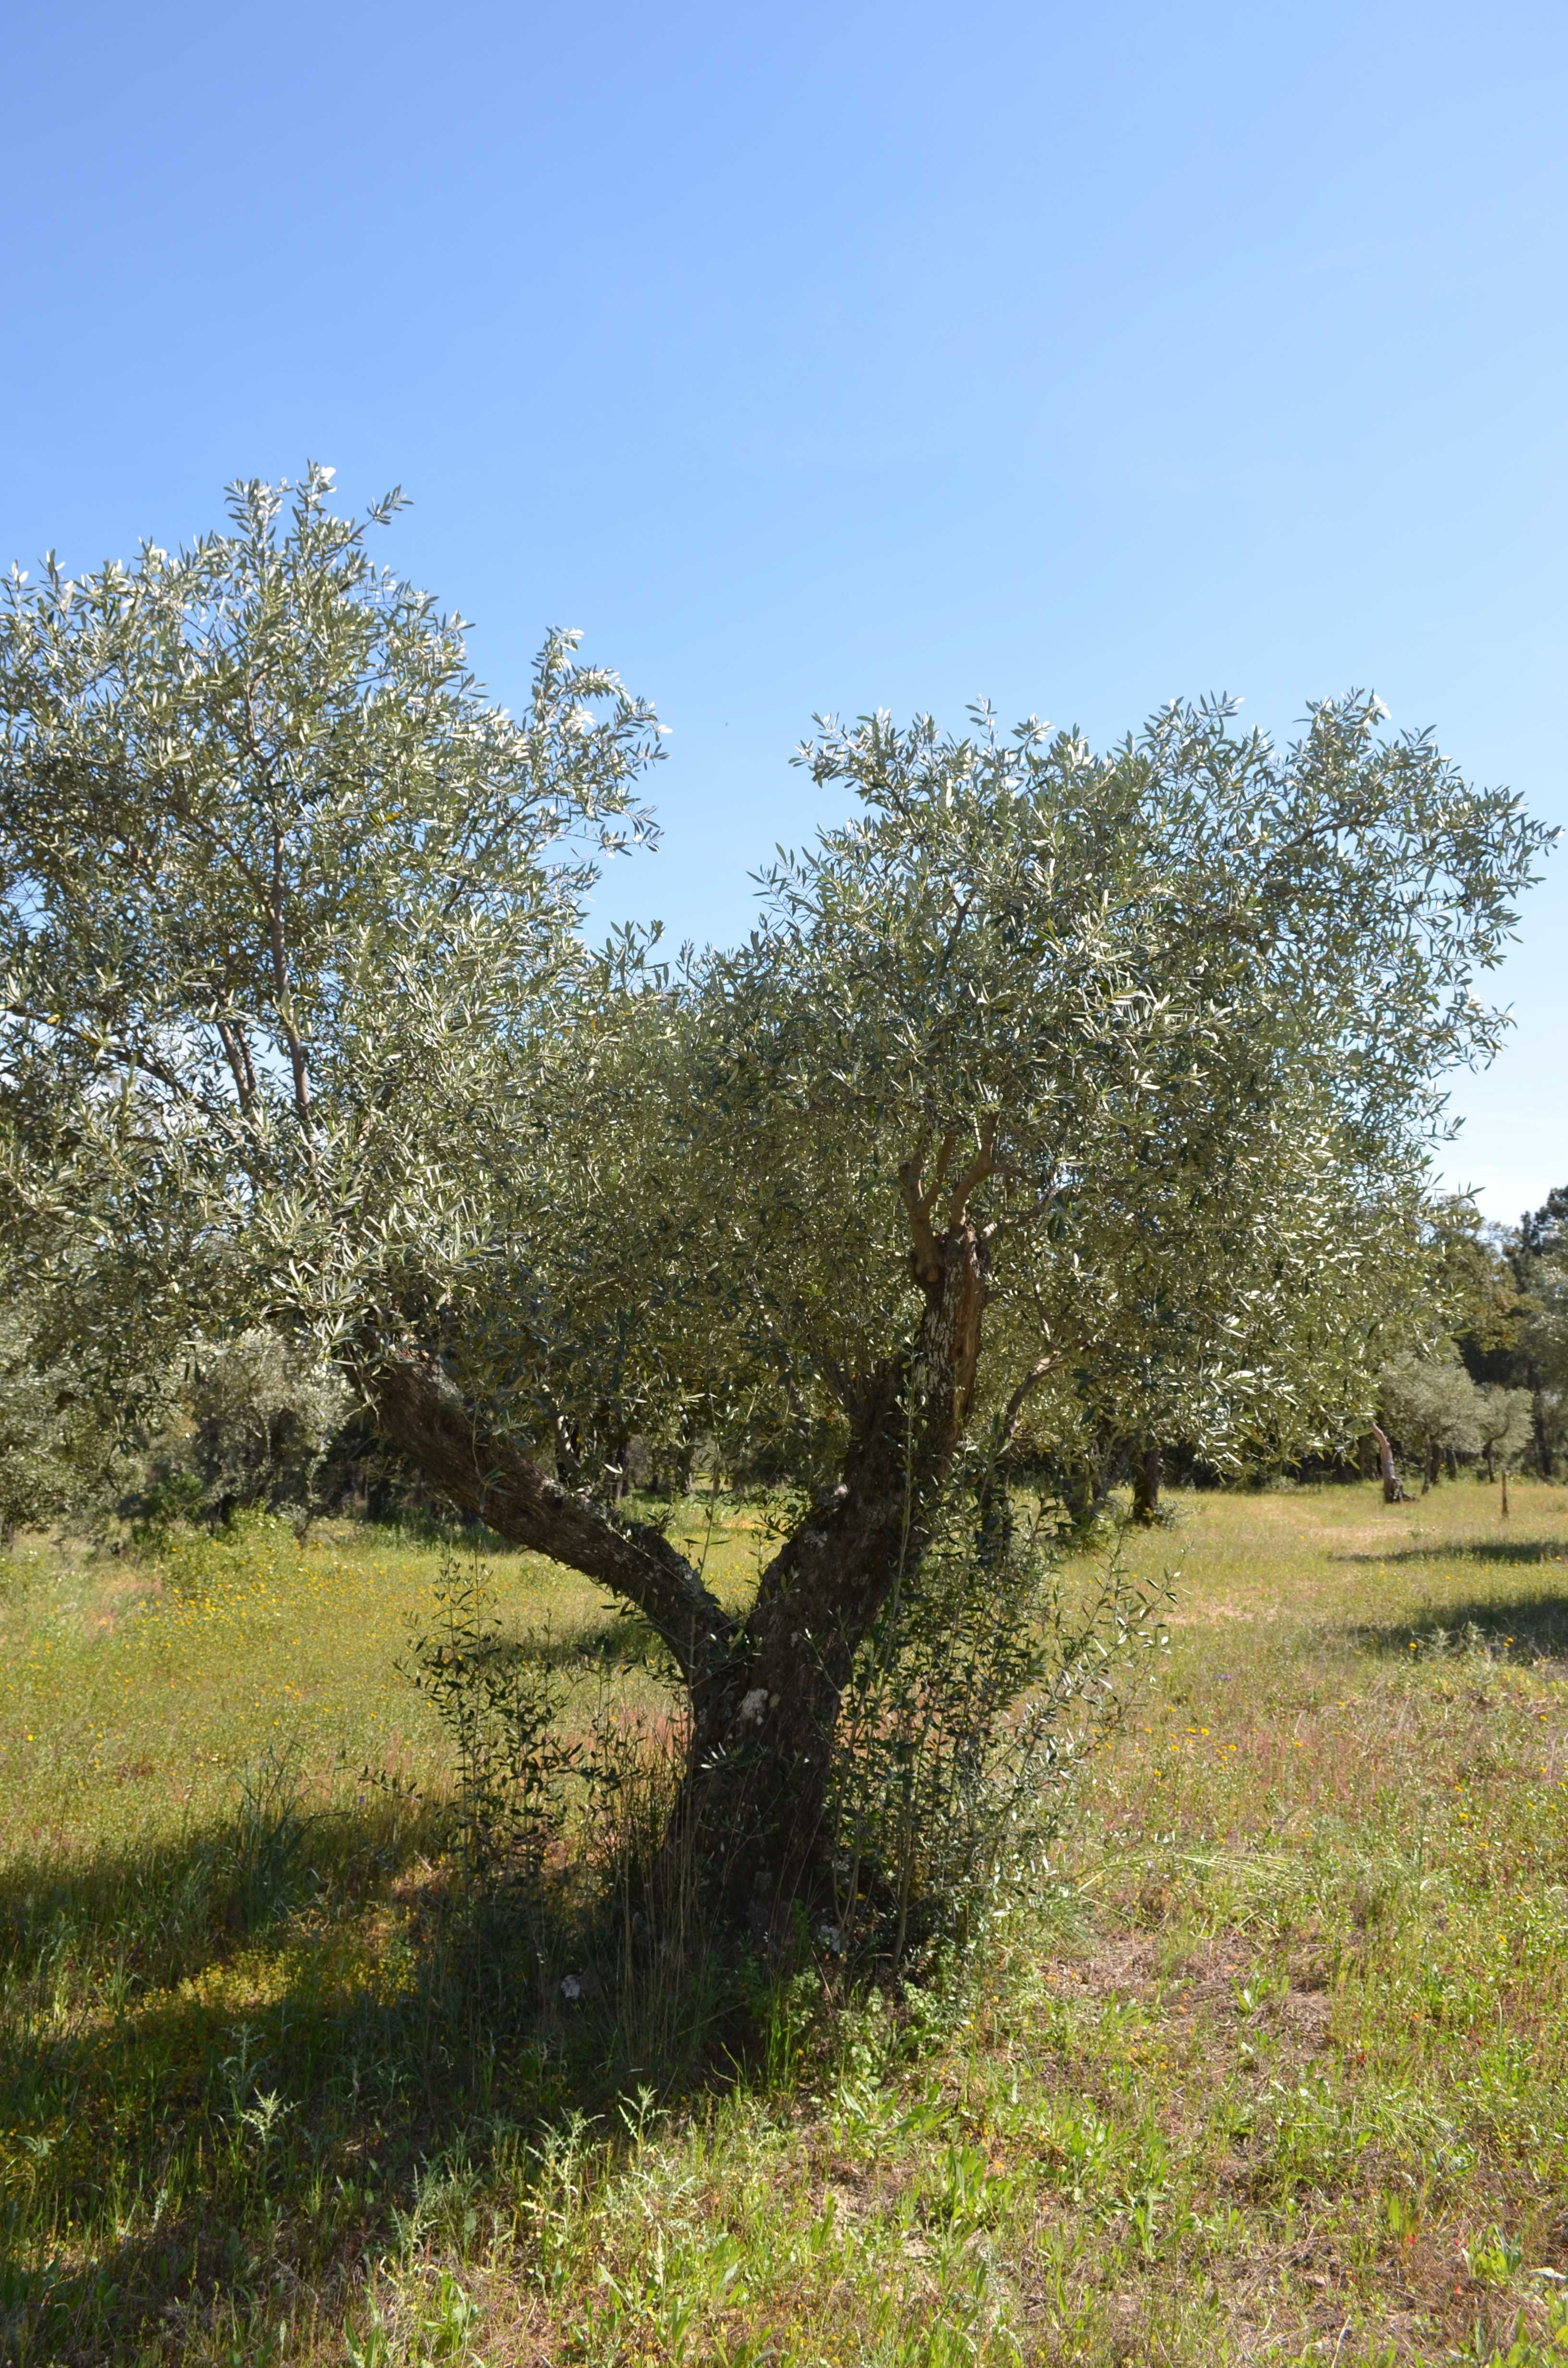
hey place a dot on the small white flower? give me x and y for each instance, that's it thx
(754, 1706)
(572, 1990)
(831, 1937)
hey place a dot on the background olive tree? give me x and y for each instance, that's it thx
(1048, 1071)
(37, 1475)
(244, 1423)
(1431, 1409)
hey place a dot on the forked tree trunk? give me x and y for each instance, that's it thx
(756, 1806)
(765, 1690)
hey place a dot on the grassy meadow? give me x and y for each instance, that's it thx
(1278, 2072)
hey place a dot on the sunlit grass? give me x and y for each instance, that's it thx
(134, 1692)
(1278, 2073)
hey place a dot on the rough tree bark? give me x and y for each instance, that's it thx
(1146, 1477)
(765, 1690)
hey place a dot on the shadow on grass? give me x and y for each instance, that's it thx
(1513, 1552)
(1525, 1628)
(618, 1643)
(236, 2065)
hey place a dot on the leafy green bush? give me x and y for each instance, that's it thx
(971, 1706)
(561, 1841)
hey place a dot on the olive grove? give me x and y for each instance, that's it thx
(1055, 1095)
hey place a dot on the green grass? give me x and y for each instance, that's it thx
(1278, 2071)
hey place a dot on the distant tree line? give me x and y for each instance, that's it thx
(1519, 1342)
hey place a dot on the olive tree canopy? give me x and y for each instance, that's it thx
(1048, 1074)
(286, 900)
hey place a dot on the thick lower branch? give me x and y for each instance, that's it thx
(752, 1811)
(422, 1411)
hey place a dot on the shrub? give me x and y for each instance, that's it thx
(499, 1707)
(970, 1708)
(611, 1922)
(975, 1700)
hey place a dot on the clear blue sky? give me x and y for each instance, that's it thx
(841, 357)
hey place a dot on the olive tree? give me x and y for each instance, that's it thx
(1505, 1426)
(248, 1424)
(1045, 1065)
(1433, 1408)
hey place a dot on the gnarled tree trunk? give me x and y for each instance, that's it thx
(764, 1690)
